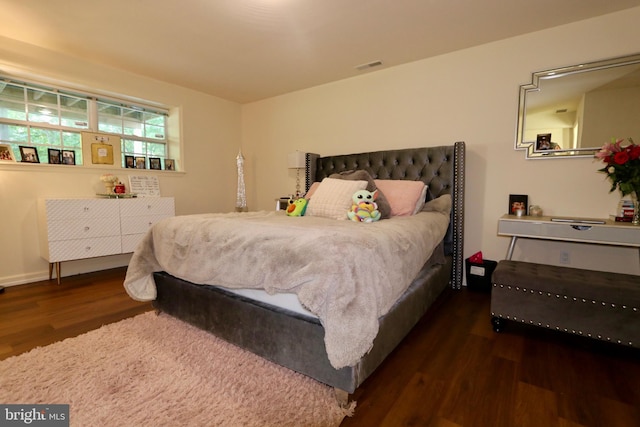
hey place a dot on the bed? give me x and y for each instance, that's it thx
(294, 338)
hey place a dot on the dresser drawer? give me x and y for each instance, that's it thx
(147, 206)
(57, 209)
(130, 241)
(139, 224)
(66, 250)
(82, 228)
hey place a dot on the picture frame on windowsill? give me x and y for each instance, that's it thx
(29, 154)
(55, 156)
(6, 154)
(68, 157)
(154, 163)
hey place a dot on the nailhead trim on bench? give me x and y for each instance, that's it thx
(575, 299)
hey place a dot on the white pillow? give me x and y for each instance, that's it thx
(421, 200)
(332, 198)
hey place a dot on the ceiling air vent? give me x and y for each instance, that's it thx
(366, 66)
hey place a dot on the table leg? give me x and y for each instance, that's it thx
(57, 264)
(511, 246)
(58, 268)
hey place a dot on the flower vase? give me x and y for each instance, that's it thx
(635, 220)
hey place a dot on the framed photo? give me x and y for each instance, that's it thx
(68, 157)
(129, 162)
(6, 153)
(55, 156)
(518, 202)
(169, 164)
(543, 141)
(154, 163)
(140, 162)
(101, 154)
(29, 154)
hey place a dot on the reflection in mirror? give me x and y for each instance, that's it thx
(573, 111)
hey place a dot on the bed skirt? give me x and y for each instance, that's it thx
(291, 339)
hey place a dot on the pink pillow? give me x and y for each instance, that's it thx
(312, 189)
(404, 196)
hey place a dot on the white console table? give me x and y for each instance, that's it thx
(579, 230)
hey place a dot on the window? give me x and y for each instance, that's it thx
(52, 118)
(143, 132)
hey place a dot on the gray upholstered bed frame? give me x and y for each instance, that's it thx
(297, 341)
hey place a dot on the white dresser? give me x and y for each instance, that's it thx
(72, 229)
(138, 215)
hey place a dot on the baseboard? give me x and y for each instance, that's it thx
(22, 279)
(69, 268)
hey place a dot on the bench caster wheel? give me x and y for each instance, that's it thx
(498, 324)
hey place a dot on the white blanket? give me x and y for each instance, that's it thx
(347, 273)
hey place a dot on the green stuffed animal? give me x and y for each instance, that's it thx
(297, 207)
(364, 208)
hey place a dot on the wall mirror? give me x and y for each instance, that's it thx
(572, 111)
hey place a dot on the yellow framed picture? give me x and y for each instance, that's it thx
(101, 154)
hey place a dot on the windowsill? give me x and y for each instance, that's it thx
(47, 167)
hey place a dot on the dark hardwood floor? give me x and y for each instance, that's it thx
(452, 369)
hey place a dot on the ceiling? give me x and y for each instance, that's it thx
(247, 50)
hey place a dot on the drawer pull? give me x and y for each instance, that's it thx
(86, 229)
(88, 249)
(86, 208)
(581, 227)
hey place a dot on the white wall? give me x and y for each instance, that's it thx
(469, 95)
(210, 137)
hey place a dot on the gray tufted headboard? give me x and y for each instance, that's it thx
(441, 168)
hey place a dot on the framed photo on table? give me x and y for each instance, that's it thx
(543, 141)
(141, 162)
(169, 165)
(129, 162)
(518, 202)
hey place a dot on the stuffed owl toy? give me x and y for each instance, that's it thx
(364, 208)
(297, 207)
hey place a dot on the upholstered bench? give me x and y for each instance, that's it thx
(594, 304)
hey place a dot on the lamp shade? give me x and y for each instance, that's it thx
(296, 160)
